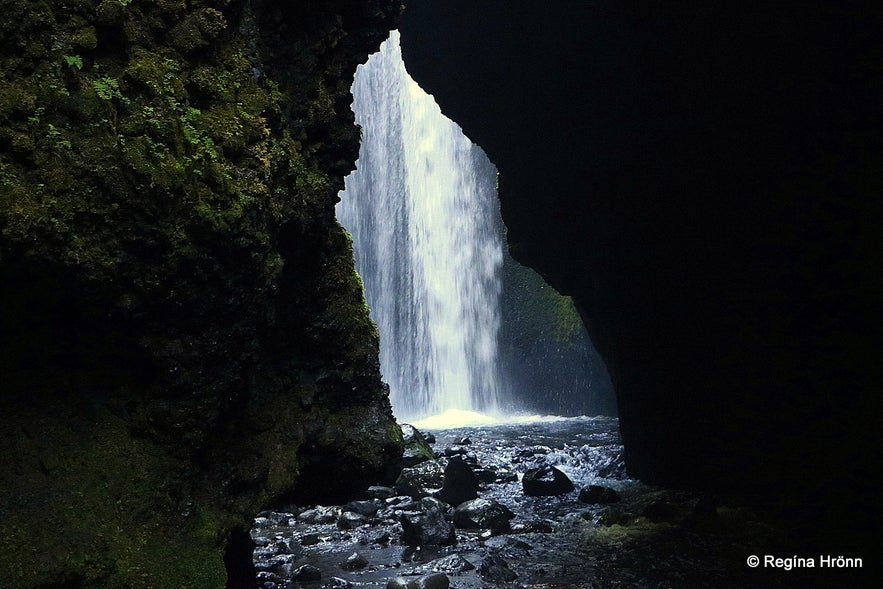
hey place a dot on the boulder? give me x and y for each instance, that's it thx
(459, 483)
(320, 515)
(366, 508)
(598, 494)
(417, 449)
(349, 520)
(427, 526)
(354, 562)
(379, 492)
(307, 573)
(545, 480)
(495, 569)
(483, 513)
(421, 480)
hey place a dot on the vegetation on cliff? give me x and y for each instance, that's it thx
(184, 335)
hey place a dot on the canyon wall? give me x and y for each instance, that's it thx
(184, 337)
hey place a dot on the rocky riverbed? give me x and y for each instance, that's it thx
(545, 505)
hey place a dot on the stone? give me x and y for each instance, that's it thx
(465, 441)
(289, 546)
(417, 450)
(453, 563)
(483, 513)
(433, 581)
(400, 583)
(337, 583)
(379, 492)
(495, 569)
(545, 480)
(309, 539)
(320, 515)
(421, 480)
(366, 508)
(598, 494)
(349, 520)
(354, 562)
(378, 537)
(459, 483)
(307, 573)
(427, 526)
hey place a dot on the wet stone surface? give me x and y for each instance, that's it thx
(507, 538)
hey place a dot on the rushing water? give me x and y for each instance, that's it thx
(650, 538)
(421, 207)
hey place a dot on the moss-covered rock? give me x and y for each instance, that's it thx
(184, 335)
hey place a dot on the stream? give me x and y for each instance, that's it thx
(640, 537)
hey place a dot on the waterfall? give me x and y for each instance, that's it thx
(422, 209)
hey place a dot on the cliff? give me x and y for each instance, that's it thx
(184, 337)
(704, 180)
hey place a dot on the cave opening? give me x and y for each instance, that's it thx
(465, 330)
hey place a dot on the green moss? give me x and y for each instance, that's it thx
(100, 486)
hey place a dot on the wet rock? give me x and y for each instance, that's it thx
(320, 515)
(379, 492)
(307, 573)
(433, 581)
(465, 441)
(451, 564)
(428, 526)
(421, 480)
(309, 539)
(429, 437)
(545, 480)
(264, 577)
(288, 546)
(533, 451)
(598, 494)
(483, 513)
(506, 476)
(378, 537)
(496, 570)
(354, 562)
(337, 583)
(366, 508)
(534, 526)
(277, 564)
(485, 475)
(349, 520)
(417, 449)
(459, 483)
(455, 451)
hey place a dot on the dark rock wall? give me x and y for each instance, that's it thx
(704, 179)
(183, 337)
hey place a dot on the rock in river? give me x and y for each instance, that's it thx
(545, 480)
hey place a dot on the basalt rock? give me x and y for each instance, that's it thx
(598, 494)
(545, 480)
(184, 337)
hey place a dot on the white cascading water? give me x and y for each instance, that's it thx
(422, 209)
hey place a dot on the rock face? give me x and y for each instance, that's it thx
(184, 337)
(702, 180)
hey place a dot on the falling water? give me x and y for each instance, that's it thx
(421, 207)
